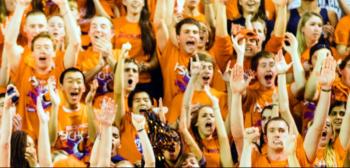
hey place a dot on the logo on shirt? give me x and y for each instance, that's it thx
(38, 87)
(138, 143)
(104, 78)
(182, 77)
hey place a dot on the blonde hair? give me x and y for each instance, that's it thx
(300, 36)
(330, 156)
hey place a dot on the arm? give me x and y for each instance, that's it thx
(250, 134)
(314, 132)
(4, 71)
(95, 152)
(225, 150)
(12, 32)
(148, 155)
(100, 10)
(281, 19)
(221, 20)
(90, 110)
(162, 33)
(344, 134)
(333, 18)
(92, 72)
(209, 13)
(298, 70)
(119, 84)
(8, 112)
(238, 86)
(53, 122)
(311, 84)
(282, 68)
(344, 7)
(73, 48)
(291, 151)
(44, 150)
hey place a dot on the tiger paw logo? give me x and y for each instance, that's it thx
(182, 77)
(38, 87)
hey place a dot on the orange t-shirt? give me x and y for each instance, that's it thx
(339, 90)
(211, 152)
(339, 151)
(131, 148)
(26, 106)
(73, 132)
(199, 97)
(126, 31)
(232, 11)
(200, 17)
(261, 160)
(342, 31)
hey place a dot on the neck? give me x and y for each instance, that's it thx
(310, 43)
(189, 11)
(133, 17)
(72, 107)
(42, 71)
(198, 87)
(276, 155)
(202, 136)
(308, 6)
(245, 14)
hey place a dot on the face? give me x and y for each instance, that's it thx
(203, 37)
(191, 3)
(141, 101)
(327, 133)
(206, 74)
(266, 72)
(314, 56)
(266, 116)
(206, 121)
(345, 74)
(115, 140)
(73, 87)
(56, 28)
(260, 30)
(30, 146)
(100, 28)
(134, 6)
(250, 6)
(188, 38)
(10, 5)
(172, 155)
(277, 134)
(312, 29)
(131, 76)
(190, 162)
(252, 47)
(336, 116)
(43, 52)
(35, 24)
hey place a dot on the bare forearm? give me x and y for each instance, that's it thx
(44, 146)
(298, 72)
(246, 158)
(100, 10)
(237, 125)
(221, 20)
(281, 21)
(194, 148)
(344, 6)
(53, 125)
(5, 138)
(293, 160)
(105, 151)
(14, 26)
(91, 123)
(148, 154)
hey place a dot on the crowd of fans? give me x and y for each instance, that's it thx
(175, 83)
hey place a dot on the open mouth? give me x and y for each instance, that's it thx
(42, 58)
(205, 78)
(208, 125)
(277, 142)
(324, 134)
(190, 43)
(268, 77)
(130, 81)
(74, 95)
(337, 121)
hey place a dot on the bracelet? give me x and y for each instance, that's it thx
(140, 130)
(326, 90)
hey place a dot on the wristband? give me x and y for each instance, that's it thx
(326, 90)
(140, 130)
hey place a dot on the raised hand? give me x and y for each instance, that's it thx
(161, 110)
(214, 100)
(328, 73)
(17, 122)
(251, 135)
(126, 47)
(292, 47)
(42, 115)
(227, 74)
(138, 121)
(238, 84)
(106, 117)
(51, 86)
(90, 96)
(196, 66)
(239, 44)
(281, 66)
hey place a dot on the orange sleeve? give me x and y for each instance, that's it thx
(300, 152)
(270, 9)
(340, 152)
(107, 6)
(274, 44)
(222, 51)
(175, 109)
(232, 9)
(342, 31)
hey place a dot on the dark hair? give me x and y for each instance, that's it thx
(186, 21)
(127, 61)
(90, 9)
(136, 91)
(336, 104)
(18, 149)
(255, 60)
(71, 69)
(3, 11)
(322, 43)
(147, 34)
(183, 158)
(269, 107)
(41, 35)
(194, 128)
(344, 62)
(275, 119)
(37, 5)
(203, 56)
